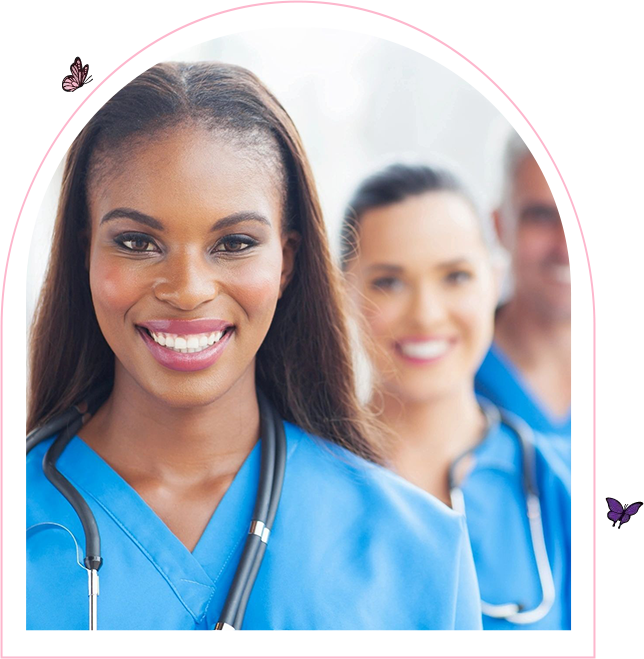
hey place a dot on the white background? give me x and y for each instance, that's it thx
(358, 102)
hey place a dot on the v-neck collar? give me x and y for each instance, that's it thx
(524, 389)
(193, 576)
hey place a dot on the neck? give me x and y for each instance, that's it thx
(531, 337)
(431, 434)
(142, 436)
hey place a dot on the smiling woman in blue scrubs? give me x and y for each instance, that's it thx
(527, 369)
(424, 276)
(190, 268)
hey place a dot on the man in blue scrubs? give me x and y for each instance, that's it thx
(527, 369)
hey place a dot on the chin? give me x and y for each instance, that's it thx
(183, 390)
(415, 390)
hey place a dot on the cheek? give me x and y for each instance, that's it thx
(475, 314)
(533, 244)
(114, 287)
(383, 316)
(256, 289)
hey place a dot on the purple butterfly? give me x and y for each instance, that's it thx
(619, 513)
(78, 78)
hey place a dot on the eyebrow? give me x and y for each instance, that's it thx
(539, 208)
(148, 220)
(388, 267)
(385, 266)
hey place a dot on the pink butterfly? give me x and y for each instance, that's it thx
(78, 78)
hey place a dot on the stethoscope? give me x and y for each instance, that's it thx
(514, 612)
(271, 478)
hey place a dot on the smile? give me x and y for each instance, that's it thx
(186, 343)
(423, 351)
(560, 274)
(183, 349)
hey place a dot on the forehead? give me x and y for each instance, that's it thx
(529, 181)
(421, 230)
(186, 172)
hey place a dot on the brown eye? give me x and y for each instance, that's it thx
(458, 277)
(233, 244)
(137, 244)
(390, 284)
(134, 242)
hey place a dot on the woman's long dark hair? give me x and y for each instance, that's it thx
(304, 364)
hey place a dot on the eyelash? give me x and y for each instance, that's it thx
(386, 283)
(458, 277)
(130, 237)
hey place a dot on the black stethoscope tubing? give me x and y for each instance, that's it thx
(271, 479)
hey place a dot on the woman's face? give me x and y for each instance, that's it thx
(187, 260)
(426, 289)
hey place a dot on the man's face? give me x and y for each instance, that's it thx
(531, 230)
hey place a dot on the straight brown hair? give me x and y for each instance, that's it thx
(304, 365)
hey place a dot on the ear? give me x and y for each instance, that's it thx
(290, 244)
(499, 272)
(498, 225)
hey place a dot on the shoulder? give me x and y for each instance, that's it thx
(368, 537)
(43, 499)
(550, 463)
(358, 491)
(35, 474)
(493, 376)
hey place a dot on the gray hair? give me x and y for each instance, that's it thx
(514, 154)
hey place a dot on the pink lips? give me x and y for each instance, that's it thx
(188, 361)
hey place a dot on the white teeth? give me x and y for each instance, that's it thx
(424, 349)
(561, 273)
(187, 343)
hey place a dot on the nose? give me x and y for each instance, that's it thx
(186, 281)
(426, 307)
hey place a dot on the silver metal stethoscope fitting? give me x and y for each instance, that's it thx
(272, 469)
(258, 528)
(92, 585)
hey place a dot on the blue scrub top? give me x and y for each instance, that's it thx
(495, 506)
(499, 380)
(353, 547)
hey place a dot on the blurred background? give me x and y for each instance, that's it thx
(358, 103)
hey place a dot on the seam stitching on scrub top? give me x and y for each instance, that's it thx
(207, 604)
(144, 551)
